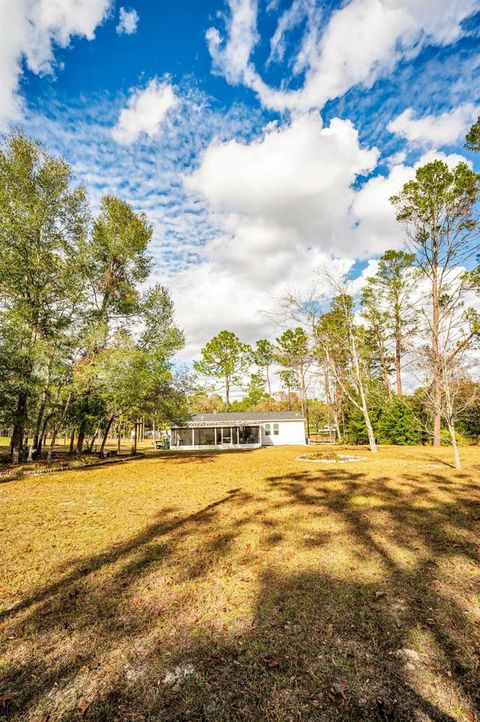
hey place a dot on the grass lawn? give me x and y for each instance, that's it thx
(243, 586)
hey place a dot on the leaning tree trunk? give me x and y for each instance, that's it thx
(105, 434)
(92, 441)
(371, 436)
(364, 407)
(456, 453)
(43, 433)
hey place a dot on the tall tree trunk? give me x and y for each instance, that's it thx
(269, 387)
(364, 407)
(105, 434)
(38, 423)
(58, 426)
(227, 392)
(436, 360)
(92, 441)
(371, 436)
(398, 353)
(332, 405)
(43, 434)
(119, 438)
(133, 449)
(386, 376)
(72, 441)
(81, 436)
(18, 433)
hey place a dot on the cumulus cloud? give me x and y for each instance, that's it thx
(128, 21)
(29, 32)
(434, 130)
(286, 207)
(145, 112)
(361, 40)
(296, 180)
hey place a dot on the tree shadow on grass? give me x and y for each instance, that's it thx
(310, 645)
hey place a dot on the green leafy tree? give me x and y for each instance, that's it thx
(340, 345)
(397, 423)
(256, 397)
(203, 402)
(469, 417)
(388, 299)
(377, 336)
(43, 223)
(264, 356)
(294, 354)
(115, 261)
(225, 358)
(472, 140)
(134, 375)
(437, 210)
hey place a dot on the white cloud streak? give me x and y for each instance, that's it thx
(29, 32)
(435, 130)
(361, 41)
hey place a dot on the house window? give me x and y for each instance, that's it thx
(275, 430)
(267, 429)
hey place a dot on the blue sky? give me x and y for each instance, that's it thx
(263, 139)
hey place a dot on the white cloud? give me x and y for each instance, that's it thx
(29, 31)
(371, 210)
(288, 20)
(296, 179)
(361, 40)
(233, 58)
(285, 207)
(145, 113)
(128, 22)
(435, 130)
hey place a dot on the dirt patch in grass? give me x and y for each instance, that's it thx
(330, 457)
(243, 586)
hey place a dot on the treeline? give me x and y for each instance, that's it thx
(415, 321)
(82, 348)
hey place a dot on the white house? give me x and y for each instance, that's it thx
(239, 430)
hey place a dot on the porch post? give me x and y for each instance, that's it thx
(193, 437)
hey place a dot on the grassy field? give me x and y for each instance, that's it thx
(243, 586)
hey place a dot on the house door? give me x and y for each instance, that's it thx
(228, 435)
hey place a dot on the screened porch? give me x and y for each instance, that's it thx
(215, 436)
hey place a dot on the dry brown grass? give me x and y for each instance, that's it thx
(289, 588)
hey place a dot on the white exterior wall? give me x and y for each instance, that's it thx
(289, 433)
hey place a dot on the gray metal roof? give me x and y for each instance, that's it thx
(239, 418)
